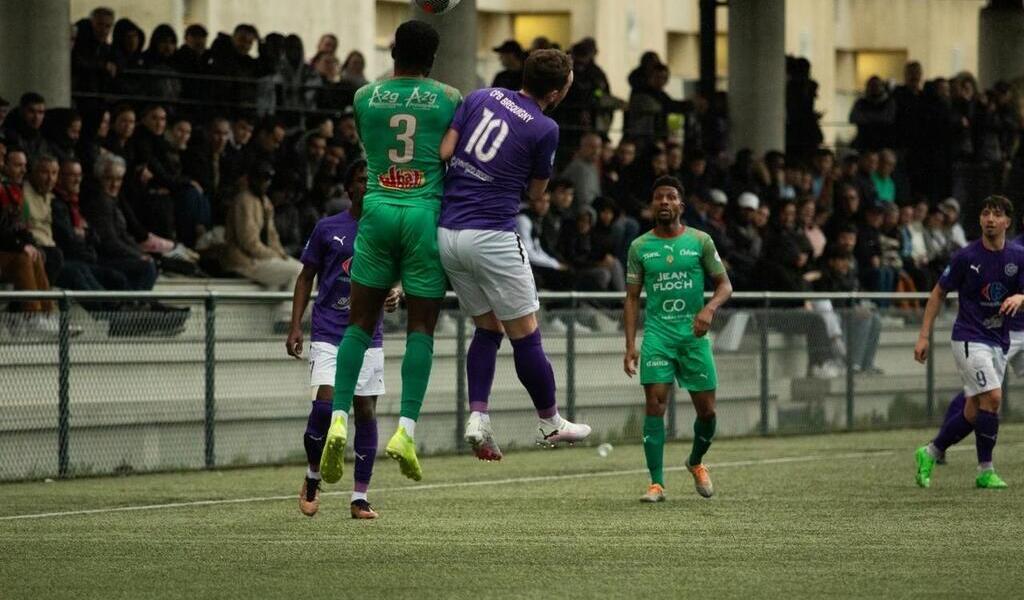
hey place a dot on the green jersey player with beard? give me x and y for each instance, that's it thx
(670, 263)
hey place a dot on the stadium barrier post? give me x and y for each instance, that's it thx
(763, 331)
(210, 379)
(847, 322)
(929, 401)
(63, 386)
(460, 385)
(570, 361)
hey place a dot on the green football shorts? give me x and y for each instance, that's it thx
(692, 364)
(399, 243)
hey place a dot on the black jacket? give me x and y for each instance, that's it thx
(74, 247)
(111, 228)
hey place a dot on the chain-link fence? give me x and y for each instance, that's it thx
(141, 382)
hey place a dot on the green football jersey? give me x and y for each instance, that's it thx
(672, 272)
(401, 122)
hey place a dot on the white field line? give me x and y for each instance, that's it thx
(458, 484)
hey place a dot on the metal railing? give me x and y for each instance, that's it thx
(121, 387)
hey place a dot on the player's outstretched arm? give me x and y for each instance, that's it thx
(723, 289)
(448, 143)
(630, 313)
(300, 298)
(931, 311)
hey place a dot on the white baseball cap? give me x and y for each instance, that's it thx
(718, 197)
(748, 200)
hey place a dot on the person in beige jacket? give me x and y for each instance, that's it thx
(253, 248)
(38, 194)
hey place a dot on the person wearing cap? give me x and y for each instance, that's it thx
(747, 240)
(512, 56)
(253, 247)
(950, 208)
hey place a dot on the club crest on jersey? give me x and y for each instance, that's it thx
(670, 259)
(994, 292)
(401, 179)
(1010, 269)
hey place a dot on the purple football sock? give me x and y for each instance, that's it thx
(535, 373)
(365, 448)
(316, 429)
(986, 428)
(480, 363)
(956, 407)
(952, 431)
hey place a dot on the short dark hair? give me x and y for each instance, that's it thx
(314, 137)
(415, 46)
(545, 71)
(102, 11)
(246, 28)
(196, 30)
(120, 109)
(150, 108)
(996, 202)
(560, 183)
(670, 181)
(268, 125)
(30, 98)
(350, 172)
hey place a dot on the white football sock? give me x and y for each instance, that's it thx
(553, 421)
(409, 425)
(484, 417)
(358, 496)
(311, 474)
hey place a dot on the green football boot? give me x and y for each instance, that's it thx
(332, 461)
(925, 465)
(988, 479)
(402, 448)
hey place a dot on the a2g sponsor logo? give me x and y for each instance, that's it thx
(677, 305)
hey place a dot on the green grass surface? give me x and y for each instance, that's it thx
(813, 517)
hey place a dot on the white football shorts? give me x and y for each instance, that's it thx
(982, 367)
(489, 270)
(323, 361)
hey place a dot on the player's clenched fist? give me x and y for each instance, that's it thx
(921, 350)
(629, 361)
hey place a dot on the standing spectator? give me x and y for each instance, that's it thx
(92, 64)
(511, 55)
(231, 58)
(189, 60)
(353, 70)
(646, 119)
(327, 44)
(254, 249)
(38, 195)
(126, 52)
(909, 98)
(874, 115)
(584, 171)
(24, 128)
(582, 109)
(298, 82)
(803, 134)
(639, 76)
(162, 79)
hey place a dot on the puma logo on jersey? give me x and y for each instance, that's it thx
(340, 240)
(976, 269)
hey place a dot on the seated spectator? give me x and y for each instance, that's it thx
(864, 326)
(889, 185)
(308, 164)
(718, 228)
(24, 128)
(745, 236)
(63, 130)
(914, 252)
(589, 256)
(560, 213)
(609, 233)
(348, 136)
(253, 248)
(548, 270)
(696, 179)
(823, 176)
(808, 216)
(583, 170)
(122, 128)
(116, 247)
(353, 70)
(331, 92)
(95, 128)
(77, 241)
(21, 263)
(171, 204)
(623, 181)
(954, 231)
(209, 164)
(38, 195)
(264, 146)
(875, 116)
(875, 276)
(864, 178)
(847, 211)
(940, 247)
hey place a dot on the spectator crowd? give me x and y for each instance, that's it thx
(217, 156)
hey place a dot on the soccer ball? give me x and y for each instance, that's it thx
(436, 7)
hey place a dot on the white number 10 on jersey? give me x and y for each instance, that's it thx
(478, 142)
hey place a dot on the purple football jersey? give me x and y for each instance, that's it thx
(329, 251)
(505, 140)
(984, 278)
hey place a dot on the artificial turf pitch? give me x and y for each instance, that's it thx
(814, 517)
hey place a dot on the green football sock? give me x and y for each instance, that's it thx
(703, 433)
(419, 357)
(349, 363)
(654, 448)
